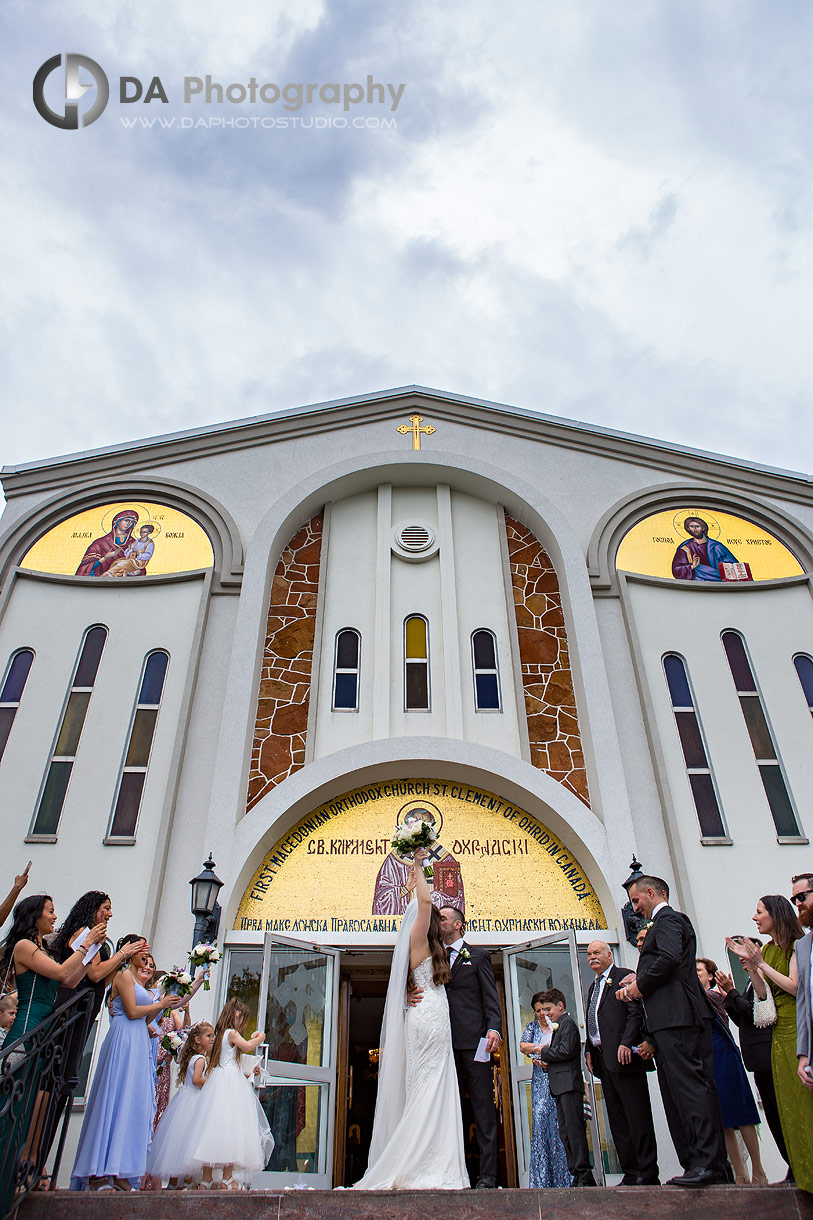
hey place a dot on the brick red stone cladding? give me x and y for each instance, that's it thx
(285, 682)
(550, 704)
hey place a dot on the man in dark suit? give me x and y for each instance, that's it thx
(613, 1029)
(564, 1064)
(678, 1017)
(474, 1013)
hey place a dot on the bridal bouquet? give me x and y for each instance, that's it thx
(172, 1043)
(204, 954)
(176, 981)
(407, 839)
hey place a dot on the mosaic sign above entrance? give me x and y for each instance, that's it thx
(120, 541)
(334, 875)
(688, 543)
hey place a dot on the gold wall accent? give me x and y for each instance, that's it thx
(333, 873)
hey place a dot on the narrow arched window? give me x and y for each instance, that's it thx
(763, 743)
(486, 673)
(63, 754)
(416, 664)
(804, 668)
(12, 692)
(690, 732)
(133, 774)
(346, 671)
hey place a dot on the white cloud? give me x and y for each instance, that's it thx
(598, 212)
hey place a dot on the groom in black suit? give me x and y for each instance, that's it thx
(474, 1013)
(679, 1018)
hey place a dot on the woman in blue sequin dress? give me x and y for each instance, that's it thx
(548, 1157)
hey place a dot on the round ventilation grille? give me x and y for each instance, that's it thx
(415, 538)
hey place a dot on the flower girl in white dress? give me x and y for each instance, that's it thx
(233, 1131)
(178, 1130)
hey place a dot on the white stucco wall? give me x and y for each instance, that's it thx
(52, 618)
(776, 622)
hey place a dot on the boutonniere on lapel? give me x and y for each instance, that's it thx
(553, 1025)
(464, 955)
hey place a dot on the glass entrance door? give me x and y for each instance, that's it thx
(551, 961)
(297, 1001)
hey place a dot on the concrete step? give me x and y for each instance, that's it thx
(621, 1203)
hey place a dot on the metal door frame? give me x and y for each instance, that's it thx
(304, 1074)
(522, 1070)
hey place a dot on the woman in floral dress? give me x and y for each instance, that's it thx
(548, 1156)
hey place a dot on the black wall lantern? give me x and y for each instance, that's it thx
(632, 922)
(205, 907)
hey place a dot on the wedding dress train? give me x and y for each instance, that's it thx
(417, 1139)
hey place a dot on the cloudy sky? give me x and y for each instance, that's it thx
(598, 211)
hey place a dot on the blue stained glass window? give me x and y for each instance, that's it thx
(804, 668)
(12, 692)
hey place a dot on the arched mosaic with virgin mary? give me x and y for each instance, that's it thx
(394, 883)
(122, 541)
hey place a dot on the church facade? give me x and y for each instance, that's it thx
(279, 639)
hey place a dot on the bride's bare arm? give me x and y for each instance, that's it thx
(418, 937)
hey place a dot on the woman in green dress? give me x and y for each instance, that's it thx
(774, 967)
(26, 958)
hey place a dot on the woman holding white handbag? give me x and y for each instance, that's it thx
(772, 971)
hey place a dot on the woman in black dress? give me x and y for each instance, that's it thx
(92, 908)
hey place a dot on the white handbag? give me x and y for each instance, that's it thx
(764, 1010)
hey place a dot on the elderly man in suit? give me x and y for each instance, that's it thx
(679, 1018)
(613, 1029)
(803, 900)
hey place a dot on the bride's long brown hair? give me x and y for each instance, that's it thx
(440, 958)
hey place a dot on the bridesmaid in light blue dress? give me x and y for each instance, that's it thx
(117, 1127)
(548, 1157)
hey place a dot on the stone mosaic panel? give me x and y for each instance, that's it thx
(282, 705)
(550, 703)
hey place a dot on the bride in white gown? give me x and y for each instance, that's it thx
(417, 1141)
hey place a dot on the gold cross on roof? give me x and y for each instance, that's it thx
(414, 426)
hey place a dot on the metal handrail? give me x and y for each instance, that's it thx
(35, 1092)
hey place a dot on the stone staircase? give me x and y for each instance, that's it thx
(621, 1203)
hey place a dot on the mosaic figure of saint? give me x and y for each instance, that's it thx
(105, 551)
(394, 883)
(699, 556)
